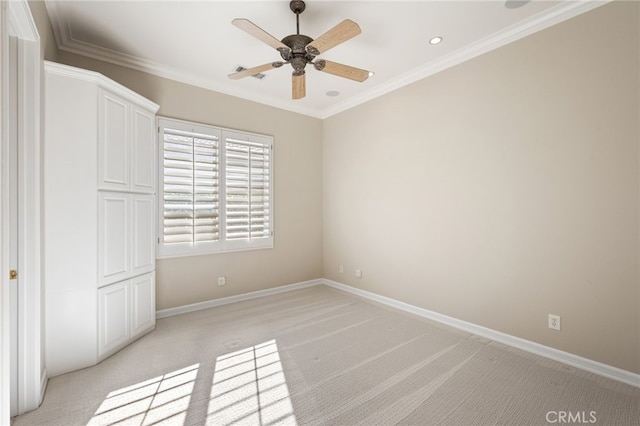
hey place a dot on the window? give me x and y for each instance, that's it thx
(215, 189)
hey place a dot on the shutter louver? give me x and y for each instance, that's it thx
(215, 189)
(248, 189)
(191, 187)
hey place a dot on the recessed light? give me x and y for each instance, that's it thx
(333, 93)
(371, 73)
(435, 40)
(514, 4)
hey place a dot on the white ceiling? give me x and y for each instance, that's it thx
(194, 41)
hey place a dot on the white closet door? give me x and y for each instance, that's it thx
(113, 317)
(143, 157)
(113, 143)
(113, 237)
(142, 229)
(143, 309)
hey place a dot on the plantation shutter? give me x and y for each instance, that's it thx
(190, 186)
(247, 187)
(215, 189)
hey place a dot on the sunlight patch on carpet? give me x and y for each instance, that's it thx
(249, 388)
(163, 399)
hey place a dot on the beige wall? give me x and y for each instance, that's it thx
(47, 40)
(503, 189)
(297, 252)
(495, 192)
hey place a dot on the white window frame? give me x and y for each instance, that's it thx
(166, 250)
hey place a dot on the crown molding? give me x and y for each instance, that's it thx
(539, 22)
(555, 15)
(101, 81)
(65, 42)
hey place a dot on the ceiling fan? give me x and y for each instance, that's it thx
(300, 50)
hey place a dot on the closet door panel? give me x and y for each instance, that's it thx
(143, 225)
(113, 317)
(113, 142)
(113, 237)
(143, 309)
(143, 151)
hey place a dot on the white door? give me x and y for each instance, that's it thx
(21, 371)
(13, 219)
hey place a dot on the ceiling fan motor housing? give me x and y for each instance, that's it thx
(299, 50)
(298, 56)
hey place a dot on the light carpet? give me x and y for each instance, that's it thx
(319, 356)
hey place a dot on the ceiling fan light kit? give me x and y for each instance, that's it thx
(298, 50)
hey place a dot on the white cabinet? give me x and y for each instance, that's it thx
(143, 311)
(113, 317)
(142, 258)
(126, 144)
(125, 235)
(143, 150)
(99, 217)
(113, 141)
(114, 239)
(125, 311)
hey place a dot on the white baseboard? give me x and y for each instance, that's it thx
(525, 345)
(596, 367)
(237, 298)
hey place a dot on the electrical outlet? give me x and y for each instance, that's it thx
(554, 322)
(358, 273)
(341, 269)
(222, 280)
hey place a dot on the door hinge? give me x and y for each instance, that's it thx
(13, 274)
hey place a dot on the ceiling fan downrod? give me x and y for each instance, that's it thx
(297, 7)
(297, 56)
(298, 50)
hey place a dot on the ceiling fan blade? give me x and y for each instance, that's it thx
(342, 32)
(255, 70)
(299, 88)
(254, 30)
(341, 70)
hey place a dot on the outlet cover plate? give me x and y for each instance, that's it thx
(554, 322)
